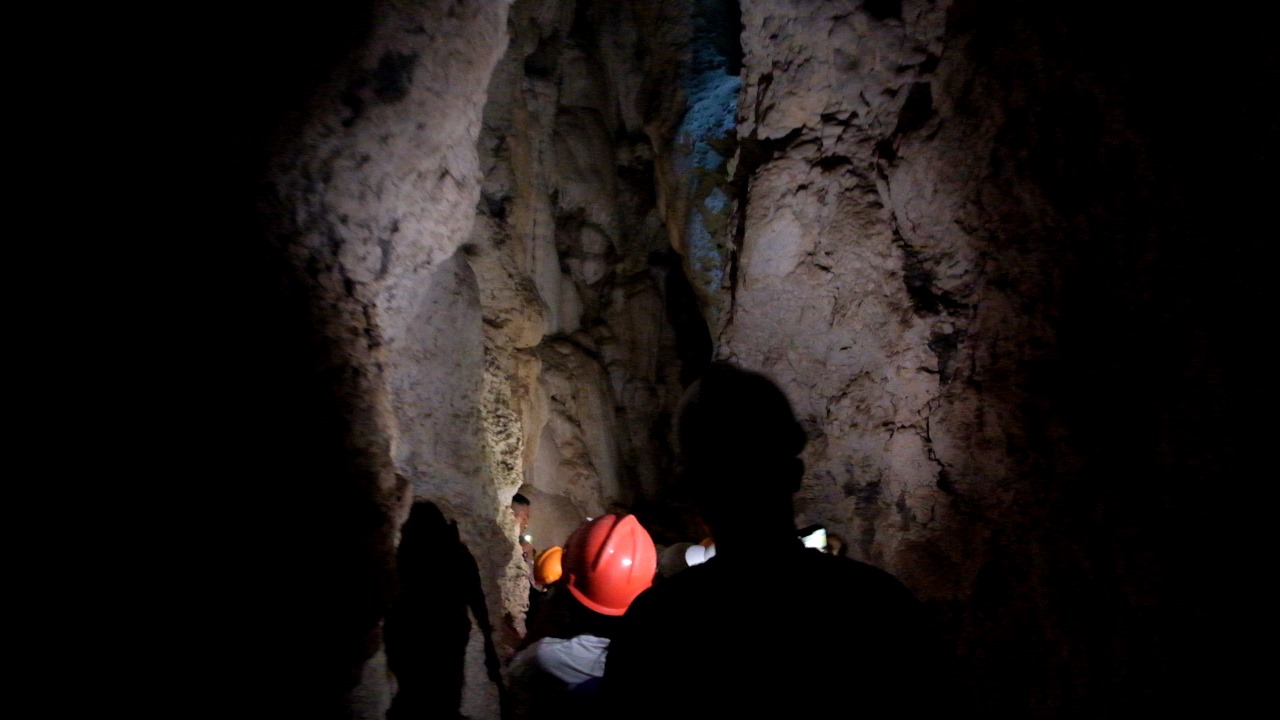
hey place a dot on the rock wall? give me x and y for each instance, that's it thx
(490, 291)
(960, 238)
(371, 197)
(573, 259)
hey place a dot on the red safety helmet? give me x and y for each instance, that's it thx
(609, 561)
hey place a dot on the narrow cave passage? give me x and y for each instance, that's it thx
(492, 242)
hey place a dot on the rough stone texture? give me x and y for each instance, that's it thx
(925, 189)
(572, 259)
(824, 298)
(371, 199)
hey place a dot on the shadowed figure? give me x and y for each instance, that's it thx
(427, 627)
(766, 625)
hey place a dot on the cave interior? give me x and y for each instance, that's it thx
(1004, 257)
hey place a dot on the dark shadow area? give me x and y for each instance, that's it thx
(1143, 403)
(794, 625)
(427, 627)
(280, 577)
(693, 339)
(717, 27)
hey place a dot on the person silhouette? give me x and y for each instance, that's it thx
(753, 628)
(427, 626)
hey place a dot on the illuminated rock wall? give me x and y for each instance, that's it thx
(371, 197)
(962, 238)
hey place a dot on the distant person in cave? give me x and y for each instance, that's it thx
(427, 626)
(522, 508)
(753, 627)
(547, 571)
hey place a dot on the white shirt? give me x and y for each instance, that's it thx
(572, 661)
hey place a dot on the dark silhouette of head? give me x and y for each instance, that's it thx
(738, 444)
(424, 539)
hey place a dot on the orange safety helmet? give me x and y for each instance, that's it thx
(609, 561)
(547, 569)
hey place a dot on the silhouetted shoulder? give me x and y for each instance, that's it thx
(794, 628)
(861, 578)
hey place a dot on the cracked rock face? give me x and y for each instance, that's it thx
(923, 189)
(370, 200)
(854, 306)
